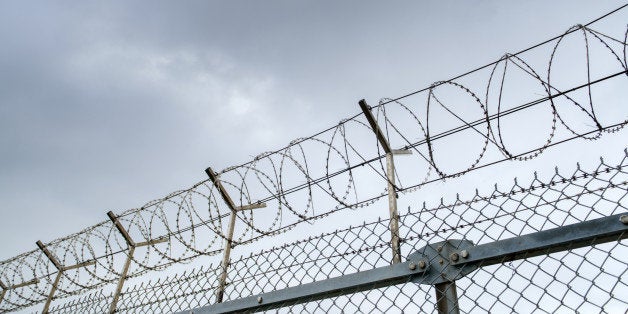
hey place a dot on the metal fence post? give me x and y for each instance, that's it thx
(222, 283)
(447, 298)
(392, 208)
(60, 269)
(132, 245)
(4, 290)
(390, 177)
(57, 278)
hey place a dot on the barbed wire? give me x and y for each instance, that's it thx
(299, 186)
(519, 209)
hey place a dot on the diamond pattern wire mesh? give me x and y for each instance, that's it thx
(188, 290)
(95, 302)
(587, 279)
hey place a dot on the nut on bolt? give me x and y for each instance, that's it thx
(464, 253)
(624, 219)
(259, 300)
(453, 257)
(422, 264)
(412, 266)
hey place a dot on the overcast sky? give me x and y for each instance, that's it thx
(107, 105)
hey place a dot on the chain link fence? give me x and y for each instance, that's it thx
(585, 279)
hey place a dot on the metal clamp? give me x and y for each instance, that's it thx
(441, 257)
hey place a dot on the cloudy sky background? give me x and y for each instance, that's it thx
(105, 106)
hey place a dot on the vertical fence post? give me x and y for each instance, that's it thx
(226, 259)
(57, 278)
(228, 241)
(392, 208)
(60, 269)
(131, 245)
(4, 290)
(222, 283)
(125, 270)
(447, 298)
(390, 177)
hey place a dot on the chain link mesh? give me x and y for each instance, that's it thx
(587, 279)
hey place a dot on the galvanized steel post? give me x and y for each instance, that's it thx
(60, 269)
(222, 283)
(390, 177)
(132, 245)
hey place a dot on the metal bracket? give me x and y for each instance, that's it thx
(132, 246)
(226, 257)
(60, 270)
(441, 255)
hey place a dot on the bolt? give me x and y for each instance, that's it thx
(412, 266)
(624, 219)
(453, 257)
(464, 253)
(439, 248)
(421, 264)
(259, 300)
(441, 261)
